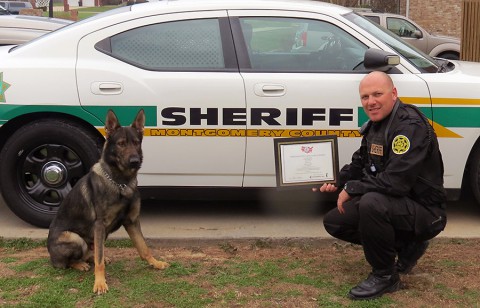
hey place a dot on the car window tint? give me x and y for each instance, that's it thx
(292, 44)
(401, 27)
(173, 45)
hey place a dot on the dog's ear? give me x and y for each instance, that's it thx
(111, 124)
(139, 122)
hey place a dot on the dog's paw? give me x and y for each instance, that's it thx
(108, 260)
(81, 266)
(159, 264)
(100, 286)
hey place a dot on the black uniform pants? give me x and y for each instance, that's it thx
(382, 224)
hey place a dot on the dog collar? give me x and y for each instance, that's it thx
(120, 186)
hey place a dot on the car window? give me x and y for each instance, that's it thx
(174, 45)
(375, 19)
(401, 27)
(293, 44)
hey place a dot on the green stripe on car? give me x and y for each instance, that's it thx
(445, 116)
(94, 115)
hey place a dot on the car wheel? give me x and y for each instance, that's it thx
(40, 163)
(449, 56)
(475, 173)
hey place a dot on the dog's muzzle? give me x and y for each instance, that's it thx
(135, 162)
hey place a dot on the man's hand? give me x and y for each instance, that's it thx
(342, 197)
(326, 188)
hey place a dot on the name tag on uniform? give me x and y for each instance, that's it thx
(376, 149)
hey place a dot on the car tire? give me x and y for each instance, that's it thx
(40, 163)
(474, 171)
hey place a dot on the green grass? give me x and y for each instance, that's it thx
(83, 12)
(37, 284)
(28, 280)
(21, 243)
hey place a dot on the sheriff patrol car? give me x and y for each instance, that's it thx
(219, 81)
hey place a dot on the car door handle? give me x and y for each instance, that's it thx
(266, 89)
(106, 88)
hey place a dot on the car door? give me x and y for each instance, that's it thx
(301, 74)
(182, 70)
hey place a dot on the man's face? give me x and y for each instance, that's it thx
(378, 97)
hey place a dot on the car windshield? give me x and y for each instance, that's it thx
(423, 62)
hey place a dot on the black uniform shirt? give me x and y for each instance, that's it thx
(392, 163)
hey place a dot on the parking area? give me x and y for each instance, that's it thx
(182, 220)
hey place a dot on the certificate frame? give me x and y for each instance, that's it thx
(306, 162)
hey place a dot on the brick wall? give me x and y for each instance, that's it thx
(437, 16)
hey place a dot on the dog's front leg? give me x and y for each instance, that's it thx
(100, 285)
(135, 233)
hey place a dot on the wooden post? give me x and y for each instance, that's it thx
(470, 47)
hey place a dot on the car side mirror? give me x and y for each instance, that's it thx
(376, 59)
(418, 34)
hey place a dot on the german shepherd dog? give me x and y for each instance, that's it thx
(103, 200)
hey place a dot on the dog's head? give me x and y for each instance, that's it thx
(123, 147)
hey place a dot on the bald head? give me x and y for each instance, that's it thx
(378, 95)
(378, 78)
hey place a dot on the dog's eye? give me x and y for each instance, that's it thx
(121, 143)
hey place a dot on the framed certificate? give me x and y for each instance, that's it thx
(306, 161)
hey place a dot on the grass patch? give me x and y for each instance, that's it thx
(8, 260)
(21, 244)
(257, 275)
(450, 263)
(83, 12)
(120, 243)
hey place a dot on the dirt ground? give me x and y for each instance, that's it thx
(447, 275)
(447, 271)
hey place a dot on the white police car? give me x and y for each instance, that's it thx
(218, 80)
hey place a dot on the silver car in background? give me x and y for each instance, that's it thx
(18, 29)
(434, 45)
(14, 7)
(3, 11)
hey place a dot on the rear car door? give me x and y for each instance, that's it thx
(181, 69)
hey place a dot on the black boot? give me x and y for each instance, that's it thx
(409, 255)
(375, 286)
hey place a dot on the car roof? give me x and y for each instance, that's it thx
(380, 14)
(298, 5)
(32, 22)
(72, 32)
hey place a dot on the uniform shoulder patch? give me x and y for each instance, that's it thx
(400, 145)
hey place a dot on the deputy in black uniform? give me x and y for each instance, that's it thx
(392, 199)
